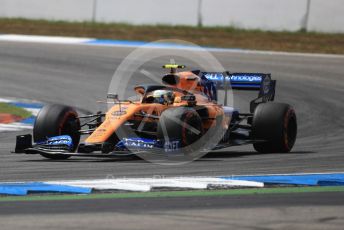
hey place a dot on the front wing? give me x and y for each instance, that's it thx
(24, 145)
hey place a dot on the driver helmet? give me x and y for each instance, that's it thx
(163, 96)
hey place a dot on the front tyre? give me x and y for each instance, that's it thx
(55, 120)
(274, 126)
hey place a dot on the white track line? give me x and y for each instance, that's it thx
(285, 174)
(43, 39)
(5, 100)
(14, 127)
(34, 112)
(105, 185)
(147, 184)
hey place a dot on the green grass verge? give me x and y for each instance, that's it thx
(193, 193)
(11, 109)
(206, 36)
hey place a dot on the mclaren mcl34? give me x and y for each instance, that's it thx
(180, 116)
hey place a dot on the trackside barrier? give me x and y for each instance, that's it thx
(289, 15)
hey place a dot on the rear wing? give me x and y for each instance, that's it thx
(261, 82)
(248, 81)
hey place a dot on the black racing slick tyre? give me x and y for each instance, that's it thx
(274, 126)
(183, 124)
(54, 120)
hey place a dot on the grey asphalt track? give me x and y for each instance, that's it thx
(274, 211)
(79, 76)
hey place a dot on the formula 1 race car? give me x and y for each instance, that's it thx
(171, 118)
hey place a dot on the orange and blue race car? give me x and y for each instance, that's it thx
(180, 116)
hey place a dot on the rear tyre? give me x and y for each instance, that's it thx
(276, 124)
(181, 123)
(55, 120)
